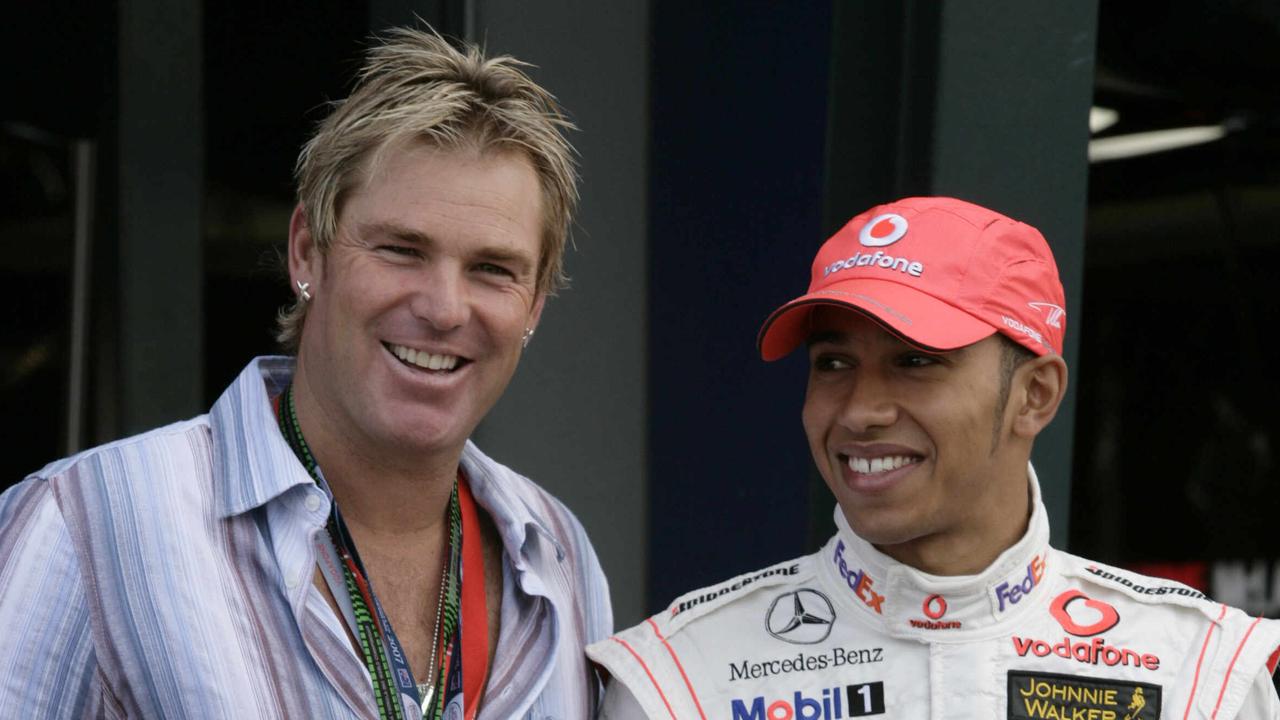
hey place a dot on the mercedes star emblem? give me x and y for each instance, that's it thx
(803, 617)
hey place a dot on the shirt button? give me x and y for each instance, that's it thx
(293, 580)
(313, 502)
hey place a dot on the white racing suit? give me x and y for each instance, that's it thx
(850, 633)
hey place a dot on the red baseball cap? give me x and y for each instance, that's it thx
(939, 272)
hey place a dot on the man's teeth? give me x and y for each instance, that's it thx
(868, 466)
(424, 359)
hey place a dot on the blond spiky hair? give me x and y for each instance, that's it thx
(415, 85)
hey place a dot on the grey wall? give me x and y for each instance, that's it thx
(574, 417)
(161, 185)
(1011, 127)
(988, 106)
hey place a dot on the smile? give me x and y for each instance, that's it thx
(875, 465)
(424, 360)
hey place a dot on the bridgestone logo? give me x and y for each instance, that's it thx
(712, 595)
(1146, 589)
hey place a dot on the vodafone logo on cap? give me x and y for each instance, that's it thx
(883, 230)
(879, 231)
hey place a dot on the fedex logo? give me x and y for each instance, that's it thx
(1011, 593)
(857, 580)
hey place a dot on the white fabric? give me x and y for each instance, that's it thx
(744, 648)
(168, 576)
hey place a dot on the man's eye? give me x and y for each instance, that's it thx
(828, 362)
(916, 360)
(492, 269)
(401, 250)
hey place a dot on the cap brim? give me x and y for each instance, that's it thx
(918, 318)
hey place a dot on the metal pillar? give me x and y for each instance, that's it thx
(988, 102)
(160, 137)
(574, 416)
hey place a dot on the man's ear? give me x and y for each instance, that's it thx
(305, 258)
(535, 313)
(1040, 384)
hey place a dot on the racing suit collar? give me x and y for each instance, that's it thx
(906, 602)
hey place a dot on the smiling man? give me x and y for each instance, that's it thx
(327, 542)
(934, 329)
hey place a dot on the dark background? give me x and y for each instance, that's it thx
(1174, 457)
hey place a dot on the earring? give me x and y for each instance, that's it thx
(528, 335)
(304, 290)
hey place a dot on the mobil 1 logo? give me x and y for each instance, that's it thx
(833, 703)
(866, 699)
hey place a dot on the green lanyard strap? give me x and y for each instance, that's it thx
(373, 631)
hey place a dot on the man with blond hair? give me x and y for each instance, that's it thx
(934, 330)
(327, 542)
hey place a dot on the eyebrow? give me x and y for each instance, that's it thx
(494, 253)
(399, 232)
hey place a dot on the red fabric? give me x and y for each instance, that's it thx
(939, 272)
(475, 605)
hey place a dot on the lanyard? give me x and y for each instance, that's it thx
(471, 642)
(379, 647)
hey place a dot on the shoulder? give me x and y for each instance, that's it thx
(750, 588)
(539, 533)
(1155, 601)
(515, 502)
(1220, 649)
(708, 609)
(663, 662)
(1126, 586)
(127, 458)
(72, 506)
(126, 462)
(130, 484)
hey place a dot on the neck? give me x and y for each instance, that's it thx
(998, 520)
(381, 492)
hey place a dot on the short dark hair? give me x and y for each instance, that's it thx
(1012, 356)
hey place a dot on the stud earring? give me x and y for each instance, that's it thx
(304, 290)
(528, 335)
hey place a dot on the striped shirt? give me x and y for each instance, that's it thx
(168, 575)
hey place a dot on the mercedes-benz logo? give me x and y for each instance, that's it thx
(803, 617)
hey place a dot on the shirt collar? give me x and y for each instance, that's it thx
(909, 603)
(492, 486)
(251, 459)
(254, 464)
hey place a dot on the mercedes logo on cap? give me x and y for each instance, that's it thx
(803, 617)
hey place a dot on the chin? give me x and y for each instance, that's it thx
(423, 433)
(878, 527)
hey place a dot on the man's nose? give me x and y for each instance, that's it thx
(441, 298)
(869, 404)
